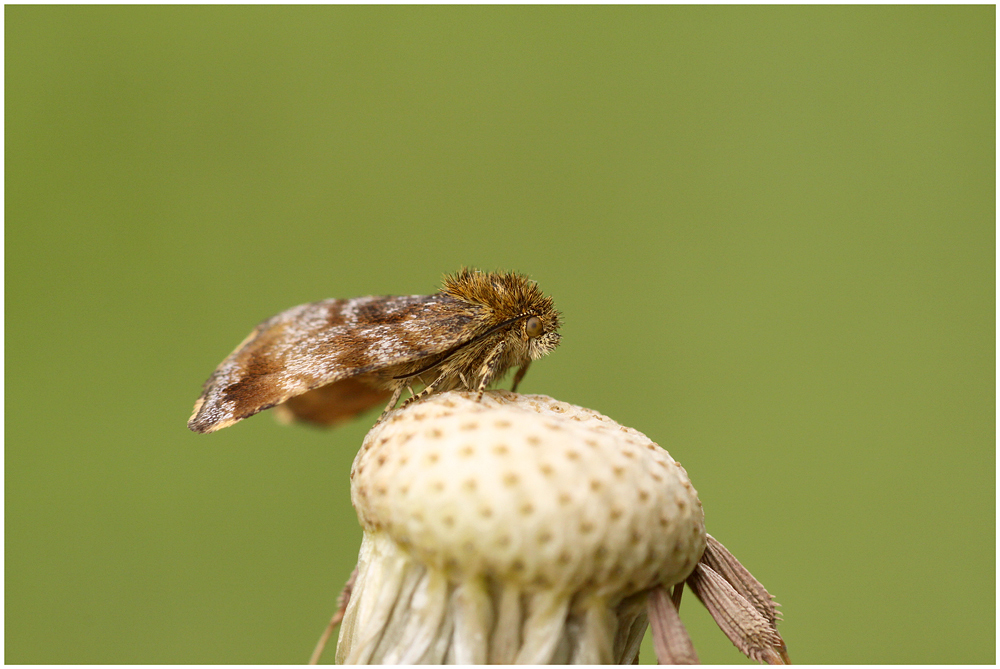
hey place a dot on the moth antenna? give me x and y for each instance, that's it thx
(521, 371)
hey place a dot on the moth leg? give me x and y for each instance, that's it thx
(521, 371)
(425, 392)
(392, 402)
(490, 368)
(420, 378)
(465, 381)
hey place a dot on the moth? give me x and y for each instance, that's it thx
(327, 361)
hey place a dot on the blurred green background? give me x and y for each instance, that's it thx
(771, 232)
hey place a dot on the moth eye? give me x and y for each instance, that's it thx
(533, 327)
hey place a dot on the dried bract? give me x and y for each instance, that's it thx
(751, 624)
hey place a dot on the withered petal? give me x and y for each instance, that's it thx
(728, 567)
(750, 631)
(670, 638)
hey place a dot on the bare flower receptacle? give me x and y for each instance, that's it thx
(517, 529)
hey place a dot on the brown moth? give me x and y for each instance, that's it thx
(327, 361)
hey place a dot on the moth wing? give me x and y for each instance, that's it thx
(317, 344)
(333, 403)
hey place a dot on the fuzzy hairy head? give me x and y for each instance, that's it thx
(510, 304)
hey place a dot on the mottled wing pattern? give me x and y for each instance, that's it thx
(316, 344)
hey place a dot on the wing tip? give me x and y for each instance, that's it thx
(201, 420)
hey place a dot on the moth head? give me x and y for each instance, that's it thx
(539, 333)
(511, 302)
